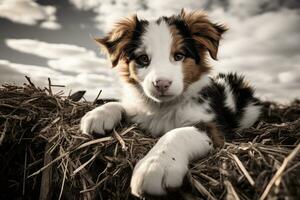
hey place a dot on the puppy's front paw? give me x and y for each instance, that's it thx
(101, 119)
(155, 174)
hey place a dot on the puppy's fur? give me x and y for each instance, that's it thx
(168, 92)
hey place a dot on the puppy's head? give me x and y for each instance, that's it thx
(164, 57)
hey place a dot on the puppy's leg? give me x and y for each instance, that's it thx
(166, 163)
(102, 119)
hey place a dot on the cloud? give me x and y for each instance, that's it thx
(244, 9)
(64, 57)
(50, 25)
(266, 49)
(29, 12)
(271, 33)
(109, 11)
(81, 65)
(47, 50)
(85, 4)
(14, 73)
(8, 74)
(85, 70)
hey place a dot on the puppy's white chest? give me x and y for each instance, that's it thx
(159, 121)
(156, 123)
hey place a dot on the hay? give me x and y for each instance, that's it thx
(44, 155)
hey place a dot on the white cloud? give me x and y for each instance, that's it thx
(89, 72)
(47, 50)
(109, 11)
(85, 4)
(64, 57)
(50, 25)
(14, 73)
(266, 49)
(18, 71)
(29, 12)
(265, 34)
(81, 65)
(8, 74)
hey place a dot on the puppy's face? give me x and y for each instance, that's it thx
(164, 57)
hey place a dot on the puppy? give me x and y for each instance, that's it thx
(169, 93)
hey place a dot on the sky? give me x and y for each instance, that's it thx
(54, 38)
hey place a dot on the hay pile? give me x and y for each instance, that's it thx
(44, 155)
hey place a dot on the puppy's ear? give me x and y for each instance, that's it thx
(116, 41)
(204, 32)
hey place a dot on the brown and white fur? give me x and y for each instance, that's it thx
(169, 93)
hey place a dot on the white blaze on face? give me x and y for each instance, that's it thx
(156, 43)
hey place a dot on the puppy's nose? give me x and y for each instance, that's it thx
(162, 85)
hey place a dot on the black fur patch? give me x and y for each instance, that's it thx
(136, 39)
(190, 46)
(133, 44)
(243, 94)
(227, 119)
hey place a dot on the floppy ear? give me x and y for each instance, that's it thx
(116, 41)
(204, 32)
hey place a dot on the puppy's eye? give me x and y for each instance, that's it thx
(179, 56)
(143, 60)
